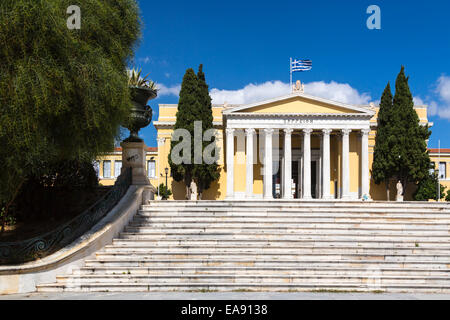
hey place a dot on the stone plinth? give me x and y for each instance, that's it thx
(133, 155)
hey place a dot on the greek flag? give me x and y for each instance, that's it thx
(301, 65)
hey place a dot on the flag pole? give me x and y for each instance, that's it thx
(290, 71)
(439, 171)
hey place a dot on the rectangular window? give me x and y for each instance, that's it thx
(117, 168)
(442, 170)
(151, 169)
(107, 169)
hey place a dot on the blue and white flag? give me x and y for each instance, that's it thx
(301, 65)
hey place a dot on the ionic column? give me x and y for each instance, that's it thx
(345, 163)
(326, 164)
(249, 133)
(268, 164)
(307, 164)
(230, 163)
(287, 164)
(365, 180)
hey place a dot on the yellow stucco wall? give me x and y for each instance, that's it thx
(117, 156)
(295, 104)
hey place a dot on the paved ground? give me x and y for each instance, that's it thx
(227, 296)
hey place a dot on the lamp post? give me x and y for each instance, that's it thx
(167, 172)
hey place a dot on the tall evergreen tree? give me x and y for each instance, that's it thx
(188, 112)
(409, 151)
(205, 174)
(383, 163)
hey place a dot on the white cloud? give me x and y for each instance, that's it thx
(340, 92)
(144, 60)
(440, 105)
(167, 91)
(418, 101)
(444, 88)
(250, 93)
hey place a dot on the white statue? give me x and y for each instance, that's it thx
(399, 191)
(193, 188)
(298, 87)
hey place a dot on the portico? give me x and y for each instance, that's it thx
(303, 147)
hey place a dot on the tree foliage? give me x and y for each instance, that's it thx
(204, 174)
(400, 148)
(427, 188)
(383, 164)
(194, 105)
(409, 151)
(187, 114)
(63, 93)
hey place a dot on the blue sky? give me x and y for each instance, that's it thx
(245, 48)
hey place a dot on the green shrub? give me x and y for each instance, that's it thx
(164, 192)
(427, 189)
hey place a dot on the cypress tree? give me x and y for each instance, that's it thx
(187, 114)
(410, 154)
(383, 164)
(205, 174)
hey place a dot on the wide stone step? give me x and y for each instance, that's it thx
(281, 250)
(264, 271)
(261, 203)
(273, 255)
(227, 287)
(288, 230)
(232, 278)
(285, 243)
(300, 210)
(260, 262)
(356, 236)
(235, 223)
(281, 218)
(362, 213)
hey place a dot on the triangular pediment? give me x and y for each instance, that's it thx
(299, 103)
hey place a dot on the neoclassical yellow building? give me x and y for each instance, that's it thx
(312, 148)
(335, 139)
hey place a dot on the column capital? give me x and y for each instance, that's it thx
(268, 131)
(327, 131)
(230, 131)
(346, 132)
(250, 132)
(307, 131)
(365, 132)
(288, 131)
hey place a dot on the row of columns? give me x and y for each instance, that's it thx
(287, 179)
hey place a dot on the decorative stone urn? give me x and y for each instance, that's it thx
(141, 114)
(134, 148)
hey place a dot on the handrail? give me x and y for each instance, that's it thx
(41, 246)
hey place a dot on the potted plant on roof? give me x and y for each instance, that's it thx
(142, 90)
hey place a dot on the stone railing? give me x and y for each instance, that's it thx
(46, 244)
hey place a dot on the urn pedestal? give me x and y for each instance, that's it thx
(133, 156)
